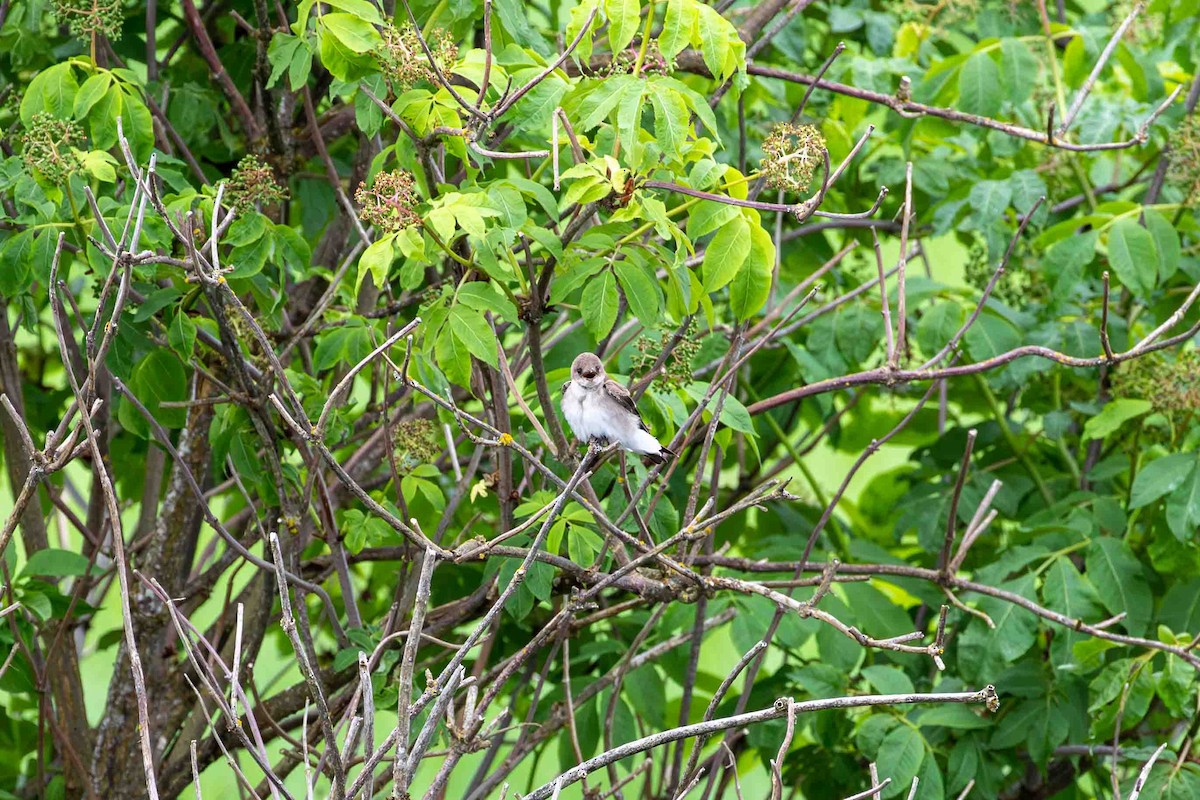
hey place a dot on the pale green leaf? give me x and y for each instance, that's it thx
(1132, 255)
(979, 89)
(751, 286)
(1115, 414)
(599, 304)
(726, 253)
(470, 327)
(622, 22)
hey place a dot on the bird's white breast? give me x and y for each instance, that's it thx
(582, 411)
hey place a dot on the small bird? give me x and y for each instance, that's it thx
(597, 407)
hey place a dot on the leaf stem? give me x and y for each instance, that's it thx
(641, 56)
(445, 249)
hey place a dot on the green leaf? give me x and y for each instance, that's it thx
(733, 414)
(695, 101)
(355, 33)
(453, 357)
(158, 377)
(599, 304)
(90, 93)
(1027, 187)
(1183, 508)
(582, 545)
(629, 122)
(578, 16)
(507, 201)
(347, 344)
(15, 272)
(290, 54)
(723, 51)
(953, 715)
(990, 336)
(100, 165)
(990, 199)
(726, 253)
(1070, 593)
(376, 261)
(670, 121)
(56, 563)
(979, 88)
(470, 327)
(1020, 69)
(1117, 576)
(1016, 628)
(182, 335)
(483, 296)
(888, 680)
(642, 292)
(602, 98)
(751, 286)
(1166, 243)
(899, 758)
(1160, 477)
(937, 325)
(709, 215)
(622, 22)
(51, 90)
(1175, 686)
(1115, 414)
(1133, 256)
(678, 27)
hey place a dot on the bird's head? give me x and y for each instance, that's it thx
(588, 371)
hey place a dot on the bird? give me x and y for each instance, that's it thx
(599, 408)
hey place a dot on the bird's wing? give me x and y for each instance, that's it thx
(620, 395)
(566, 386)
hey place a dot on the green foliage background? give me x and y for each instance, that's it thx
(601, 247)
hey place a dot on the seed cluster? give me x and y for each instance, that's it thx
(415, 442)
(390, 202)
(791, 154)
(677, 369)
(253, 183)
(653, 63)
(1172, 385)
(404, 60)
(49, 147)
(88, 17)
(1184, 171)
(1017, 287)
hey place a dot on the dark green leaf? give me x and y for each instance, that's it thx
(599, 304)
(979, 88)
(1133, 256)
(56, 563)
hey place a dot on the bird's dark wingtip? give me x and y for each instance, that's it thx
(661, 457)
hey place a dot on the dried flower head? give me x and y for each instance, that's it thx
(791, 155)
(253, 182)
(389, 203)
(50, 146)
(415, 442)
(1170, 383)
(88, 17)
(1184, 170)
(1016, 287)
(404, 60)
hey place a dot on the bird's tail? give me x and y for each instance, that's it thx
(661, 457)
(650, 449)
